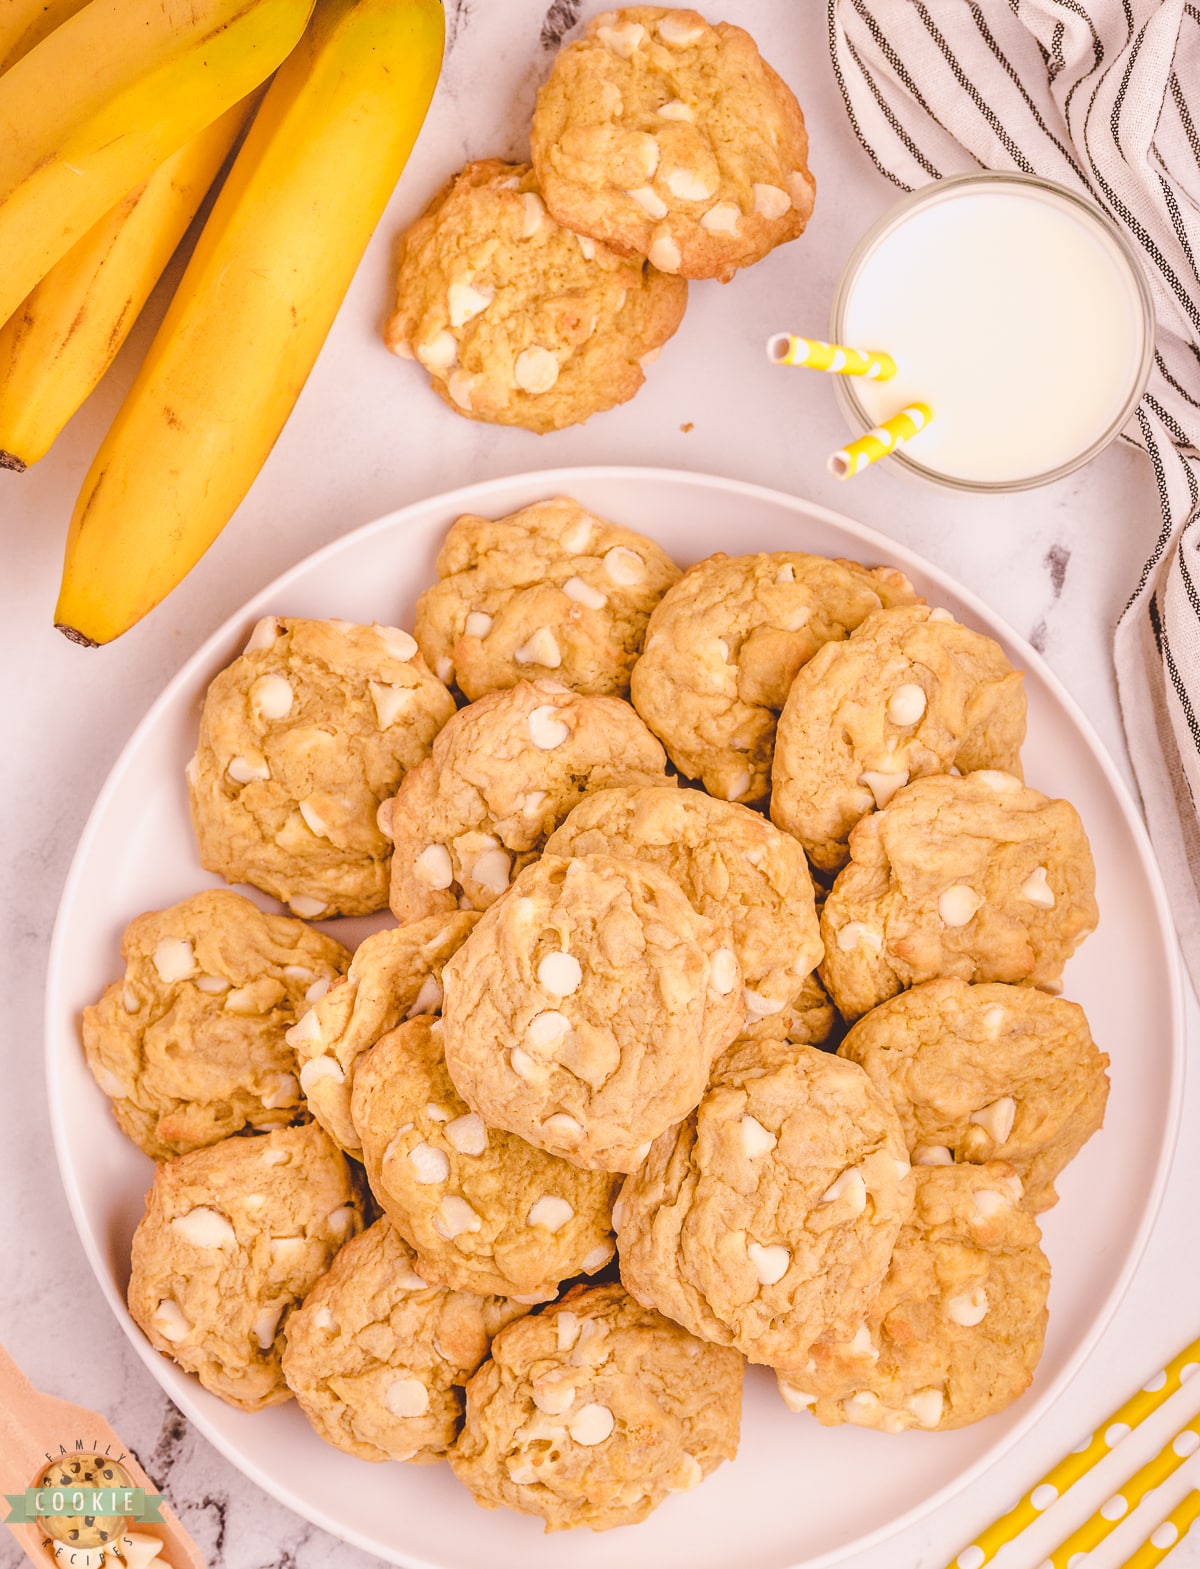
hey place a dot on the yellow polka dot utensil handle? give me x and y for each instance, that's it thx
(784, 348)
(1155, 1392)
(881, 441)
(1166, 1537)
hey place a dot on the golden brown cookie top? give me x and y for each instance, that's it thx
(592, 1411)
(552, 590)
(301, 738)
(484, 1210)
(672, 138)
(910, 692)
(518, 320)
(723, 646)
(190, 1043)
(979, 878)
(377, 1357)
(585, 1009)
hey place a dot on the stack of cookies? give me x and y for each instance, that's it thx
(663, 149)
(718, 1021)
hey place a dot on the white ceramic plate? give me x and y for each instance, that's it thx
(137, 854)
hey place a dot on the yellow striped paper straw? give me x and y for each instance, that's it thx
(1153, 1394)
(1166, 1537)
(1113, 1510)
(878, 443)
(784, 348)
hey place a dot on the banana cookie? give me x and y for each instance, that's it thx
(585, 1009)
(517, 320)
(394, 975)
(978, 878)
(766, 1220)
(301, 739)
(910, 692)
(723, 646)
(377, 1358)
(812, 1020)
(552, 590)
(591, 1412)
(672, 138)
(502, 775)
(484, 1211)
(190, 1043)
(749, 878)
(233, 1237)
(957, 1328)
(987, 1072)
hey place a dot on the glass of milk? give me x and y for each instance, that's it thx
(1016, 310)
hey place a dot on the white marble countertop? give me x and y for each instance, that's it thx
(368, 436)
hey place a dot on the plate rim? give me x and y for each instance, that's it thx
(179, 1386)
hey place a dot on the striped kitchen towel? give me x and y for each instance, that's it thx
(1102, 96)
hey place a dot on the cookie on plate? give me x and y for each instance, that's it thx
(671, 138)
(766, 1220)
(910, 692)
(517, 320)
(189, 1044)
(233, 1237)
(552, 590)
(301, 739)
(502, 775)
(377, 1358)
(978, 878)
(723, 646)
(591, 1412)
(987, 1072)
(957, 1328)
(585, 1009)
(749, 878)
(394, 975)
(484, 1211)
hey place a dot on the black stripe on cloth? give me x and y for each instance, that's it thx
(1097, 52)
(1185, 117)
(1177, 223)
(1134, 45)
(1180, 437)
(889, 114)
(960, 76)
(840, 78)
(893, 59)
(1177, 681)
(1011, 73)
(1164, 501)
(1170, 380)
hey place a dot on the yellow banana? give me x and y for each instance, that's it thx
(59, 343)
(97, 106)
(24, 23)
(269, 271)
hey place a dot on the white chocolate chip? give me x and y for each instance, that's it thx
(678, 33)
(958, 904)
(624, 566)
(758, 1006)
(861, 1344)
(664, 253)
(491, 869)
(676, 109)
(305, 1032)
(297, 972)
(466, 301)
(587, 247)
(566, 1325)
(454, 1217)
(996, 1120)
(560, 973)
(579, 536)
(313, 820)
(598, 1257)
(307, 907)
(323, 1319)
(795, 619)
(1037, 890)
(430, 1164)
(622, 37)
(994, 1020)
(205, 1228)
(932, 1155)
(523, 1065)
(546, 1029)
(546, 729)
(271, 697)
(722, 218)
(438, 353)
(170, 1321)
(535, 369)
(467, 1134)
(988, 1203)
(856, 935)
(434, 868)
(264, 634)
(926, 1405)
(995, 779)
(800, 188)
(563, 1126)
(723, 971)
(445, 669)
(460, 387)
(786, 573)
(318, 1068)
(554, 1393)
(266, 1326)
(770, 1263)
(883, 786)
(684, 1475)
(770, 201)
(540, 648)
(906, 704)
(383, 817)
(551, 1212)
(651, 203)
(400, 645)
(649, 357)
(478, 624)
(213, 984)
(584, 594)
(437, 1112)
(689, 185)
(390, 702)
(108, 1081)
(794, 1399)
(1015, 1186)
(318, 989)
(428, 999)
(129, 998)
(283, 1090)
(534, 214)
(532, 802)
(406, 1397)
(738, 785)
(286, 1252)
(174, 959)
(861, 1407)
(408, 1280)
(968, 1308)
(852, 1187)
(591, 1424)
(272, 1158)
(756, 1140)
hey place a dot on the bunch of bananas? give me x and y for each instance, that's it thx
(116, 117)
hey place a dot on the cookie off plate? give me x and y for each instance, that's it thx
(798, 1494)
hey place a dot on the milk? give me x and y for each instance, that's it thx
(1011, 311)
